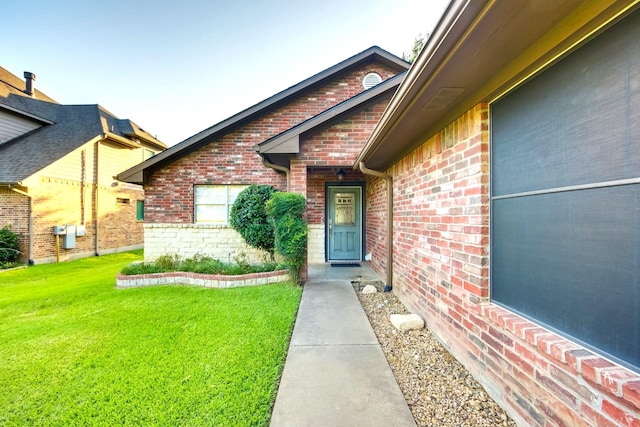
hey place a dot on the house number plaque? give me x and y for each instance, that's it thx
(345, 209)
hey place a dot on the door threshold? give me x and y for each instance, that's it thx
(345, 263)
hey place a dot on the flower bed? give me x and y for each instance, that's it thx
(204, 280)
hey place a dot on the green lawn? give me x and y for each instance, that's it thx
(76, 351)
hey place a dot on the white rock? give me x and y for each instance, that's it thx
(405, 322)
(369, 289)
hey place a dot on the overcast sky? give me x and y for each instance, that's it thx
(178, 67)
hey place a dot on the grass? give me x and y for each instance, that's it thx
(77, 351)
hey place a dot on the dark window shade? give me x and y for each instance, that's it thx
(577, 123)
(571, 259)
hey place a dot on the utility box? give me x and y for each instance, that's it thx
(81, 230)
(70, 237)
(59, 230)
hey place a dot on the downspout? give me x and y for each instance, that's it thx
(96, 206)
(30, 261)
(389, 181)
(278, 168)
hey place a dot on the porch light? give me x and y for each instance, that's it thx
(340, 175)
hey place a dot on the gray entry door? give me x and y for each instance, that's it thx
(344, 223)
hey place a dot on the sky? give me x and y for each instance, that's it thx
(177, 67)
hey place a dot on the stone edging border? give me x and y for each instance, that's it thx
(204, 280)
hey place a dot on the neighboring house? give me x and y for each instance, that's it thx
(513, 146)
(57, 168)
(304, 138)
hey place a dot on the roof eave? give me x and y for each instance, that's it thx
(478, 51)
(24, 113)
(450, 27)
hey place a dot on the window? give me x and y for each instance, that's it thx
(565, 236)
(213, 202)
(122, 201)
(140, 210)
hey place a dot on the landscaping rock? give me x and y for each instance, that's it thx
(406, 322)
(438, 389)
(369, 289)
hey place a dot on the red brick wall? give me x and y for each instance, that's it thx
(14, 212)
(376, 219)
(231, 159)
(441, 271)
(325, 152)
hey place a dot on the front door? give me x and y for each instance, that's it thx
(344, 223)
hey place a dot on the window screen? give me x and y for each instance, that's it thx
(566, 198)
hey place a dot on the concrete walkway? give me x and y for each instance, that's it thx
(336, 373)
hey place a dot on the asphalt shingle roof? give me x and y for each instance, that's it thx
(65, 128)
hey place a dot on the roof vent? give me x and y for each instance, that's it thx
(370, 80)
(29, 79)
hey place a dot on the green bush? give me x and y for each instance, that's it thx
(9, 245)
(286, 210)
(249, 218)
(197, 264)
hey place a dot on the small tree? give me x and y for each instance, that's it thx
(286, 210)
(9, 245)
(418, 44)
(249, 218)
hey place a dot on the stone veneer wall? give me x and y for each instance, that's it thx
(315, 244)
(217, 241)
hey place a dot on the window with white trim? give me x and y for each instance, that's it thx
(212, 203)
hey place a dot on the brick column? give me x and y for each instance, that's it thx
(298, 176)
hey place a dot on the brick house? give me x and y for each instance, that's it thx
(509, 195)
(57, 167)
(513, 152)
(304, 139)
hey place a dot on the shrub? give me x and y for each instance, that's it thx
(286, 210)
(197, 264)
(168, 262)
(9, 245)
(249, 218)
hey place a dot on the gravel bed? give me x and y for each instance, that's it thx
(438, 389)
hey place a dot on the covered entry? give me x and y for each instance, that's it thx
(344, 237)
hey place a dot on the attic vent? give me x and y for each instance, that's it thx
(443, 98)
(370, 80)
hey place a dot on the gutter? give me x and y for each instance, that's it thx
(30, 261)
(446, 33)
(279, 168)
(389, 181)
